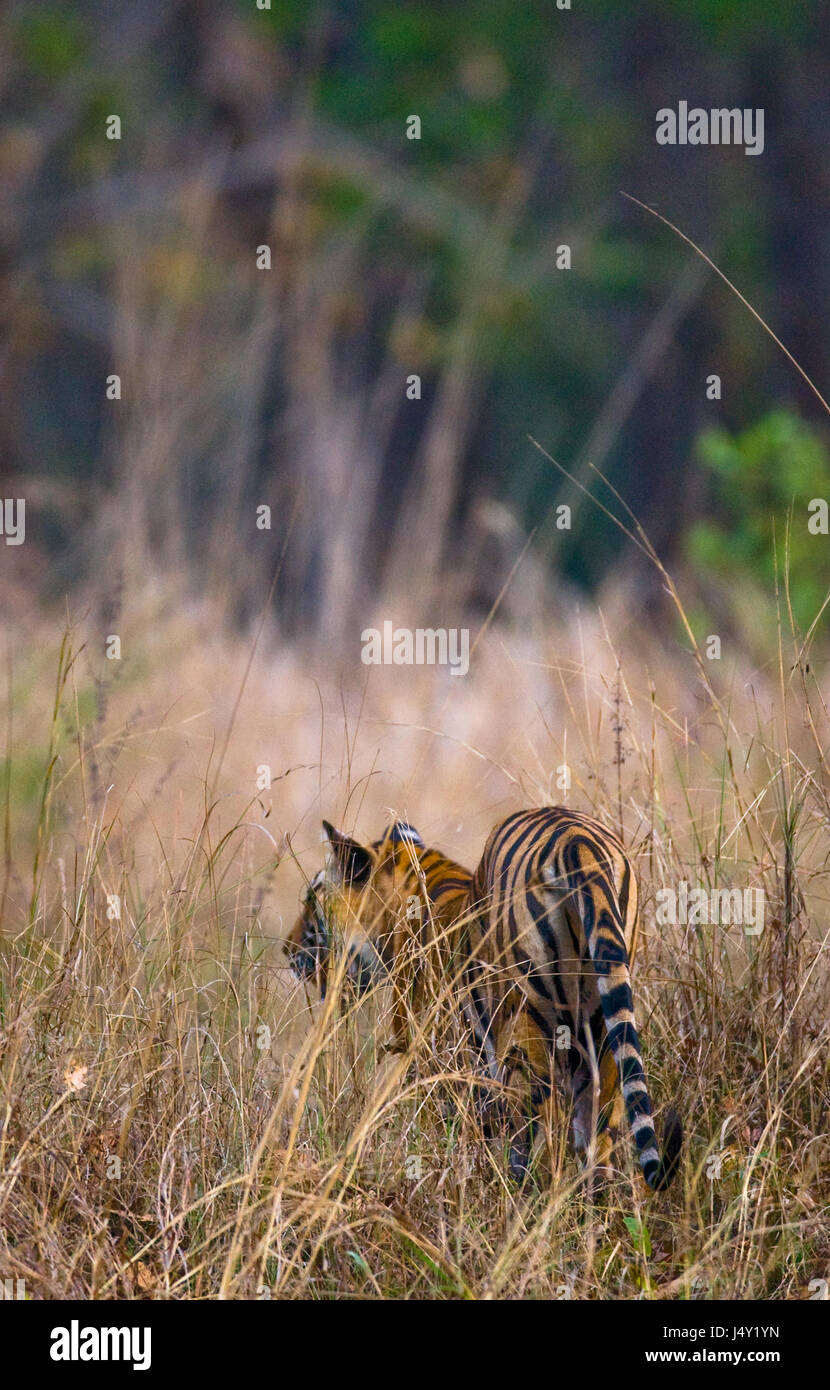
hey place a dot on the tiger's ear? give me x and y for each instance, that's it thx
(354, 863)
(400, 833)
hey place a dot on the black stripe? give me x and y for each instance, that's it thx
(617, 998)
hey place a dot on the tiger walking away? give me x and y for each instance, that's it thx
(551, 933)
(538, 941)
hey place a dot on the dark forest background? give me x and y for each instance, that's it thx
(286, 127)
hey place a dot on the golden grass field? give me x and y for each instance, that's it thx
(182, 1119)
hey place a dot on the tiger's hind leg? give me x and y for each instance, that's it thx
(598, 1104)
(525, 1072)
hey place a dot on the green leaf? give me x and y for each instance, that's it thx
(640, 1238)
(360, 1263)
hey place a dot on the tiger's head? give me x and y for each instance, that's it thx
(353, 904)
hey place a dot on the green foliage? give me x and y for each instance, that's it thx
(734, 22)
(762, 481)
(640, 1237)
(51, 40)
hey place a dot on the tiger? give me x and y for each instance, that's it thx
(539, 943)
(550, 936)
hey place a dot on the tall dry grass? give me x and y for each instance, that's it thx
(183, 1119)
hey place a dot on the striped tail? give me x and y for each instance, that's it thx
(610, 959)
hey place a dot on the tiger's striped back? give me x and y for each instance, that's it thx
(554, 920)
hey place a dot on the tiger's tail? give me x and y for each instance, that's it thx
(611, 964)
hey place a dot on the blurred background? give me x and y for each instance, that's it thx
(243, 387)
(286, 127)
